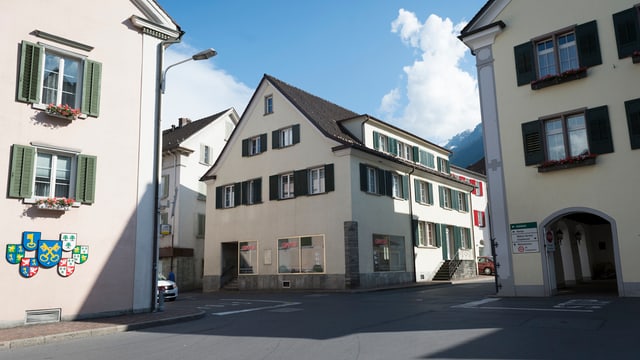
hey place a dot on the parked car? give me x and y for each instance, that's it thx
(168, 287)
(486, 265)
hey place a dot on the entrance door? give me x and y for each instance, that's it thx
(229, 269)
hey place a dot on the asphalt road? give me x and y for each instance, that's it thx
(462, 321)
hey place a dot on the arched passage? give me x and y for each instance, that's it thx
(584, 258)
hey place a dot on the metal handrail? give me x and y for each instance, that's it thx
(454, 264)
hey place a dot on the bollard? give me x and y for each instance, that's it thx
(161, 300)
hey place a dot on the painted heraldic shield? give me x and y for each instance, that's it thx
(81, 254)
(68, 241)
(15, 253)
(30, 240)
(28, 267)
(49, 253)
(66, 267)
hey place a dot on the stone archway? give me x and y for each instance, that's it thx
(585, 258)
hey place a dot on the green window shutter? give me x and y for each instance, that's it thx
(21, 179)
(468, 237)
(376, 140)
(86, 179)
(244, 192)
(431, 160)
(364, 181)
(275, 139)
(219, 197)
(532, 141)
(245, 147)
(447, 167)
(440, 163)
(632, 108)
(405, 187)
(438, 235)
(296, 133)
(525, 67)
(257, 190)
(263, 143)
(416, 154)
(423, 158)
(444, 242)
(91, 88)
(273, 187)
(588, 44)
(414, 227)
(627, 32)
(329, 182)
(386, 183)
(416, 187)
(457, 238)
(430, 189)
(300, 182)
(599, 130)
(31, 58)
(393, 146)
(441, 194)
(237, 194)
(454, 200)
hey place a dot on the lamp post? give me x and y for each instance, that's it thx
(157, 164)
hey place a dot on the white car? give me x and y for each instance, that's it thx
(168, 287)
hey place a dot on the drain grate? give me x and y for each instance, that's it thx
(42, 316)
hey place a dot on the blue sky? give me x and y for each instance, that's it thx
(397, 60)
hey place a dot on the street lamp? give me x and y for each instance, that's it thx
(202, 55)
(157, 163)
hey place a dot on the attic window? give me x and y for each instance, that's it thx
(268, 104)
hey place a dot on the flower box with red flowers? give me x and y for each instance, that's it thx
(551, 80)
(568, 163)
(63, 111)
(60, 204)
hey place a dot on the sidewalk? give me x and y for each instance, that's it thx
(38, 334)
(174, 312)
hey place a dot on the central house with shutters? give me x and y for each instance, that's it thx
(310, 195)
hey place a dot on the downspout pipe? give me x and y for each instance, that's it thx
(157, 156)
(413, 231)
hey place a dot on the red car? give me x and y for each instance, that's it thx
(486, 265)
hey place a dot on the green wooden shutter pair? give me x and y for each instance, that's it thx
(30, 78)
(22, 174)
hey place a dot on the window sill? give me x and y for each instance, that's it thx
(53, 207)
(559, 79)
(567, 164)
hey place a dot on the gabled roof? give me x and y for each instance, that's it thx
(323, 114)
(173, 137)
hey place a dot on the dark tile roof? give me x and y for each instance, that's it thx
(323, 114)
(171, 138)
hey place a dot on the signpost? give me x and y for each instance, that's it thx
(524, 238)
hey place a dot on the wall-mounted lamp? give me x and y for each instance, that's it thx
(578, 236)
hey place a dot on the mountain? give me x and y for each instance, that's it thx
(467, 147)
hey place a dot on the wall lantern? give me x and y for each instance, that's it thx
(559, 236)
(578, 236)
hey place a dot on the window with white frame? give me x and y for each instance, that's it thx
(426, 234)
(424, 192)
(301, 254)
(462, 201)
(286, 186)
(405, 151)
(383, 143)
(49, 75)
(566, 137)
(316, 180)
(446, 198)
(396, 185)
(255, 145)
(229, 196)
(205, 154)
(372, 180)
(286, 137)
(465, 238)
(268, 104)
(38, 172)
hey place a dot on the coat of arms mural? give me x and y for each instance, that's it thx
(35, 253)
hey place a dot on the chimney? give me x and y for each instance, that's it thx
(183, 121)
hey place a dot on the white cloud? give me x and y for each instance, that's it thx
(390, 102)
(197, 89)
(442, 99)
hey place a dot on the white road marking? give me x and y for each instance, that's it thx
(279, 304)
(556, 308)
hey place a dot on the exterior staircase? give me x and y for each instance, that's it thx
(444, 272)
(231, 285)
